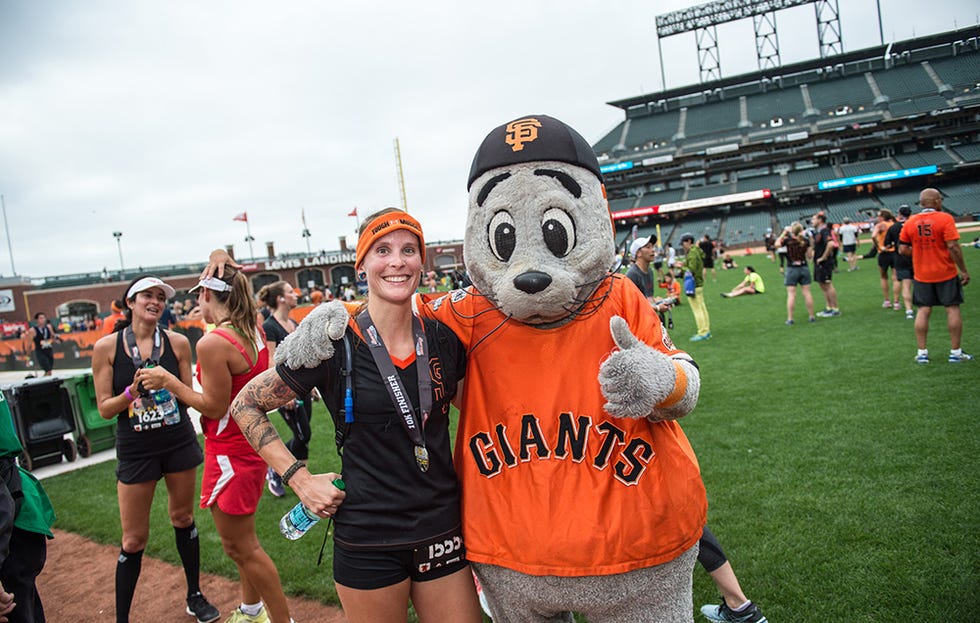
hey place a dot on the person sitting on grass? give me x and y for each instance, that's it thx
(752, 284)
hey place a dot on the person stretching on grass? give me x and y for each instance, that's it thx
(752, 284)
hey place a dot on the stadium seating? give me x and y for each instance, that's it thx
(969, 152)
(905, 82)
(741, 227)
(610, 140)
(656, 127)
(716, 117)
(784, 104)
(810, 177)
(851, 91)
(866, 167)
(772, 182)
(958, 71)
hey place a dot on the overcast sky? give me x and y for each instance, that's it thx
(163, 120)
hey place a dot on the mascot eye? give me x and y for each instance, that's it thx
(559, 232)
(503, 235)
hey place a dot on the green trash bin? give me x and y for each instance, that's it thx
(93, 432)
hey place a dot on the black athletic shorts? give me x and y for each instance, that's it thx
(45, 358)
(886, 259)
(152, 468)
(369, 569)
(941, 294)
(903, 273)
(824, 273)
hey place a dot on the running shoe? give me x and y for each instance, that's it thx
(909, 314)
(240, 617)
(722, 613)
(886, 305)
(275, 483)
(789, 322)
(923, 358)
(700, 338)
(896, 306)
(198, 606)
(960, 358)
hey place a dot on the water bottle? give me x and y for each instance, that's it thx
(164, 401)
(166, 404)
(299, 519)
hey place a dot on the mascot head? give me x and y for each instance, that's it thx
(539, 239)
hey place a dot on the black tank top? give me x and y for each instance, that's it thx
(42, 333)
(129, 443)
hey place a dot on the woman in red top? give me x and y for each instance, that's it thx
(234, 474)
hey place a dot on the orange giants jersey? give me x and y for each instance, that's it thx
(927, 233)
(551, 484)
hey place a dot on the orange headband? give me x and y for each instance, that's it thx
(385, 224)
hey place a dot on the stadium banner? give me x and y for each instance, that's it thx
(7, 301)
(690, 204)
(619, 166)
(872, 178)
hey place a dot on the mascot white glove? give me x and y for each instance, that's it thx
(312, 341)
(636, 379)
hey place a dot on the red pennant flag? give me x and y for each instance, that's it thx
(241, 217)
(353, 212)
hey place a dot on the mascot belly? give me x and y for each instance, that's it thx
(580, 490)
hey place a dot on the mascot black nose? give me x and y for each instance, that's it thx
(532, 281)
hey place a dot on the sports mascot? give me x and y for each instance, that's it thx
(580, 491)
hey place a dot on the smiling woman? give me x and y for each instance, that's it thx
(398, 534)
(154, 438)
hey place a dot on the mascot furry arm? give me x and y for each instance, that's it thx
(639, 381)
(312, 341)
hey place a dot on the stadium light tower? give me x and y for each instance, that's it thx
(118, 236)
(704, 19)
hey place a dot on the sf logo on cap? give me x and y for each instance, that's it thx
(522, 131)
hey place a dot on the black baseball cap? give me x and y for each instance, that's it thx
(532, 138)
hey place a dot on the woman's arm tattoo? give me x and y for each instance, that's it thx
(262, 394)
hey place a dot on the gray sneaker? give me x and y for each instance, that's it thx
(722, 614)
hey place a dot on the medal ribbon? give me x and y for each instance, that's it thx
(414, 425)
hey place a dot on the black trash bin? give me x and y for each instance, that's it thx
(41, 409)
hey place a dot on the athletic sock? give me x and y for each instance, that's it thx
(748, 602)
(127, 574)
(251, 609)
(189, 549)
(922, 351)
(956, 352)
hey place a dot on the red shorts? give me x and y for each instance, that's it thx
(233, 482)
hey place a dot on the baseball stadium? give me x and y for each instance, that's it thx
(839, 471)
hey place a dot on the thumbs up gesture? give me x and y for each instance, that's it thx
(635, 378)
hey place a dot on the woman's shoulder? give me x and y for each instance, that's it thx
(106, 343)
(177, 339)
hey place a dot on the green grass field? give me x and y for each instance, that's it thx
(842, 477)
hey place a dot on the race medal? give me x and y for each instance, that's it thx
(422, 458)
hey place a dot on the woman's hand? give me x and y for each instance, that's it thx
(318, 492)
(155, 378)
(216, 264)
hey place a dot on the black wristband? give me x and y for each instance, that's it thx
(291, 470)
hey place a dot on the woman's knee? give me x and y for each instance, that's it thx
(135, 541)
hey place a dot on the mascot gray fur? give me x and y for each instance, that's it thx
(580, 492)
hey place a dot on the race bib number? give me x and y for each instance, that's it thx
(444, 551)
(144, 414)
(46, 343)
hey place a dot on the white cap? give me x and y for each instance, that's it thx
(639, 243)
(212, 283)
(150, 282)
